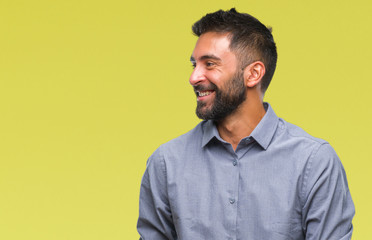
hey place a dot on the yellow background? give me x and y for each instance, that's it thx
(89, 89)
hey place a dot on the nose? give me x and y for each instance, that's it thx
(197, 76)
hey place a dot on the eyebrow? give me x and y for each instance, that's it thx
(208, 56)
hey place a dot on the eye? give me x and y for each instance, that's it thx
(193, 64)
(209, 64)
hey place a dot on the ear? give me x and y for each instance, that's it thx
(253, 74)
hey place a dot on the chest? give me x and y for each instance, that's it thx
(253, 192)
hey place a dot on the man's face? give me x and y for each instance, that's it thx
(217, 81)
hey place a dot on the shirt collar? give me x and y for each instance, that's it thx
(209, 132)
(264, 131)
(262, 134)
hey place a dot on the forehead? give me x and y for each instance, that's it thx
(213, 44)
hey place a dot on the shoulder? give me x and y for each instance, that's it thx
(294, 139)
(318, 160)
(310, 152)
(185, 141)
(320, 147)
(181, 145)
(296, 132)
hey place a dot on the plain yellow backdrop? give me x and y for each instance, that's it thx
(89, 89)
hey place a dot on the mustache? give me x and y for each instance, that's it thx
(200, 88)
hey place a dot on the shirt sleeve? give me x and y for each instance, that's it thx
(327, 205)
(155, 218)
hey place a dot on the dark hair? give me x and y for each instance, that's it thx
(250, 39)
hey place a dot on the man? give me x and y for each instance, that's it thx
(243, 173)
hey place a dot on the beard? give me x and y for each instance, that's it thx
(226, 101)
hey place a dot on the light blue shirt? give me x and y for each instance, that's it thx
(280, 183)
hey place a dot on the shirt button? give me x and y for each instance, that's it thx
(232, 201)
(235, 162)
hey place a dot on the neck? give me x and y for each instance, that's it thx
(242, 121)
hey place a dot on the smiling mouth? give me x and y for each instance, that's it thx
(203, 93)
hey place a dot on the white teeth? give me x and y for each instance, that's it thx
(202, 94)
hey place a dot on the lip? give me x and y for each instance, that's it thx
(204, 97)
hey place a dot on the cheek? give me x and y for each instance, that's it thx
(216, 78)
